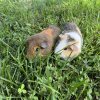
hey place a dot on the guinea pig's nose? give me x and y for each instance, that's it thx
(61, 58)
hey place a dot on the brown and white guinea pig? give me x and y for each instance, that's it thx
(70, 42)
(42, 43)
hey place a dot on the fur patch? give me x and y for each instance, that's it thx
(64, 42)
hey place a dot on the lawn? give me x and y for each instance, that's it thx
(48, 78)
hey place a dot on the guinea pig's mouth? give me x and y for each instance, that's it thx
(60, 56)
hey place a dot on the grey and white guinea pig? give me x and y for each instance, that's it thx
(70, 42)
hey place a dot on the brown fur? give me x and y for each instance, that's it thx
(44, 41)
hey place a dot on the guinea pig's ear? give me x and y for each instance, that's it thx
(61, 36)
(44, 45)
(74, 47)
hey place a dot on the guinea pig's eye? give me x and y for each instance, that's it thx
(65, 48)
(37, 49)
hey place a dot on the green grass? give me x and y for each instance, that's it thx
(49, 78)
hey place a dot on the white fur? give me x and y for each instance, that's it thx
(63, 43)
(77, 37)
(60, 46)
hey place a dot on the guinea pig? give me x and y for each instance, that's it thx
(70, 42)
(42, 43)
